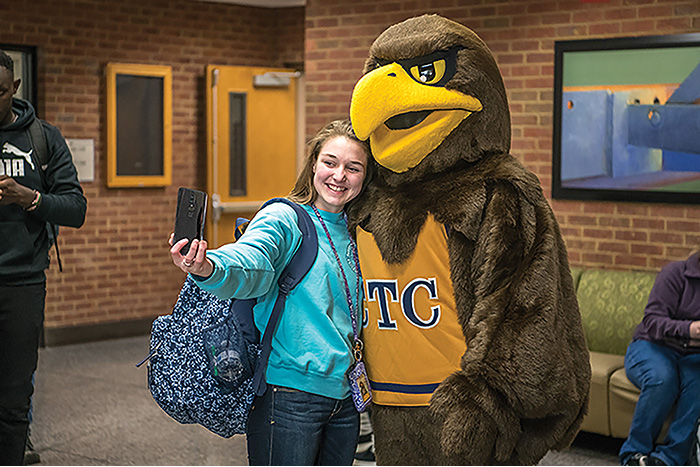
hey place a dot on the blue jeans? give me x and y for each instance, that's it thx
(290, 427)
(664, 377)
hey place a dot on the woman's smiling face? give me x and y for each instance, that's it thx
(339, 173)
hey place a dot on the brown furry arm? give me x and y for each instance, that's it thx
(526, 366)
(476, 423)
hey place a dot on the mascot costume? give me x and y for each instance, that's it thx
(474, 343)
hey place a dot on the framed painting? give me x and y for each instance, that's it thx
(24, 58)
(627, 119)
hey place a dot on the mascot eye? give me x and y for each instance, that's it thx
(434, 69)
(429, 73)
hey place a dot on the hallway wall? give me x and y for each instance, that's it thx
(521, 34)
(116, 267)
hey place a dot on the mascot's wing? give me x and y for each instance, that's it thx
(526, 367)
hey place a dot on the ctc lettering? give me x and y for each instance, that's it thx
(385, 292)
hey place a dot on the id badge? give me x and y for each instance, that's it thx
(359, 387)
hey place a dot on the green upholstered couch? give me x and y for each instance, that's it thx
(611, 304)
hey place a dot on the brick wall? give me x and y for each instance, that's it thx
(521, 34)
(117, 266)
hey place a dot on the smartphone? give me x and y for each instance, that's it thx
(189, 219)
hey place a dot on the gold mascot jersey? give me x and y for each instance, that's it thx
(413, 339)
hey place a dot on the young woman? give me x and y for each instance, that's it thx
(307, 416)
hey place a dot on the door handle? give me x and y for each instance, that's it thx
(220, 208)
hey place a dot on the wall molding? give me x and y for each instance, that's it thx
(96, 332)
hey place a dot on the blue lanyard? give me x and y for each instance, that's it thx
(358, 341)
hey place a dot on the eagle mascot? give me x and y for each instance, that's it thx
(474, 344)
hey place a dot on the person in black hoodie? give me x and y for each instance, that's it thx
(29, 199)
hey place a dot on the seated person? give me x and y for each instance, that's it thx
(663, 361)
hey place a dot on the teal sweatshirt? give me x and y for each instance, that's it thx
(311, 347)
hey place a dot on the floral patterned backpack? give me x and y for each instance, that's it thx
(207, 361)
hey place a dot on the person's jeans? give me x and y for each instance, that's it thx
(21, 320)
(664, 377)
(290, 427)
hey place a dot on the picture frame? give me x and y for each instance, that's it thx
(25, 63)
(626, 123)
(139, 125)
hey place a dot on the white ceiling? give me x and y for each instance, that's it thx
(262, 3)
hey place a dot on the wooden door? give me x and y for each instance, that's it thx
(252, 142)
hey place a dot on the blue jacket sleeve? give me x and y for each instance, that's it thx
(251, 266)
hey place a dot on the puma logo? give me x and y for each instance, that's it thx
(8, 148)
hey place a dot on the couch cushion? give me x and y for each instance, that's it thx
(612, 304)
(602, 366)
(623, 399)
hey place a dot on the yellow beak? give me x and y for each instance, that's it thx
(388, 92)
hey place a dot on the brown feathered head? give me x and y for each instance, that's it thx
(431, 97)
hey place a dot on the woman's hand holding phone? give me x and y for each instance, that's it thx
(195, 261)
(189, 252)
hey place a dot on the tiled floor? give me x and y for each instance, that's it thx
(92, 407)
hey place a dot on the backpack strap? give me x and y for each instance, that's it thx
(241, 225)
(292, 274)
(40, 154)
(41, 148)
